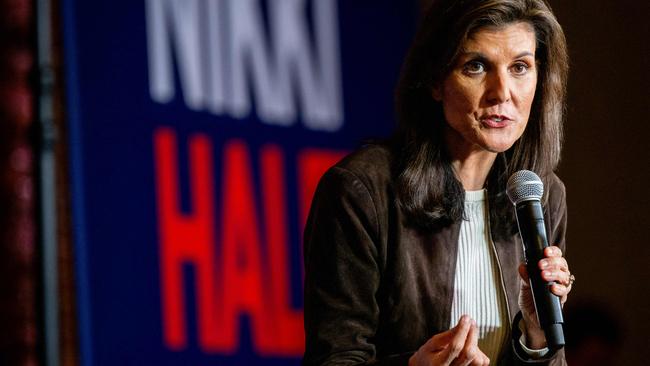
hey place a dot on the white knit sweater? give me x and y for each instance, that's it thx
(478, 291)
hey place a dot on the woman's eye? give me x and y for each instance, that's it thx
(473, 68)
(519, 68)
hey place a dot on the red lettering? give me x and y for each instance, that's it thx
(242, 260)
(185, 238)
(247, 281)
(288, 322)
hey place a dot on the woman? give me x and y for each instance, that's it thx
(411, 249)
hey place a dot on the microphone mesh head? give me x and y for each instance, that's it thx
(524, 185)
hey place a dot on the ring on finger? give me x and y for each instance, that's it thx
(572, 280)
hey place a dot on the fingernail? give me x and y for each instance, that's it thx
(547, 273)
(544, 263)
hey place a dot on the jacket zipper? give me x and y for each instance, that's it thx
(496, 255)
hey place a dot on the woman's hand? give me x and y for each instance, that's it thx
(554, 269)
(455, 347)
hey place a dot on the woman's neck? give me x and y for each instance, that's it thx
(472, 170)
(470, 163)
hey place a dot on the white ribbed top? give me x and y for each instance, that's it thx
(477, 283)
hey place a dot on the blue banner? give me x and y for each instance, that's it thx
(198, 131)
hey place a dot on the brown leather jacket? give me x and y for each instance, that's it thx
(375, 289)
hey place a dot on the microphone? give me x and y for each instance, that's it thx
(525, 190)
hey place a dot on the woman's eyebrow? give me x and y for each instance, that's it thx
(475, 55)
(525, 53)
(466, 56)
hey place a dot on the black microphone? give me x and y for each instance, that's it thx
(525, 191)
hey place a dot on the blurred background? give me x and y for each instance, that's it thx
(157, 159)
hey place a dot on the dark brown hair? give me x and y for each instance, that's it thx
(428, 190)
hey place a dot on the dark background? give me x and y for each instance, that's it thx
(606, 162)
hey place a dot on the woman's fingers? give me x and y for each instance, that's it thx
(560, 277)
(457, 343)
(552, 251)
(560, 290)
(555, 269)
(553, 260)
(439, 348)
(441, 341)
(455, 347)
(470, 351)
(480, 360)
(553, 263)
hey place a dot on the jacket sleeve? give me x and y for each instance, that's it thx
(342, 274)
(556, 221)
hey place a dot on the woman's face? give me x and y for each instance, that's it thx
(488, 94)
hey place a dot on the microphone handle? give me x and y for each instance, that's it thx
(530, 219)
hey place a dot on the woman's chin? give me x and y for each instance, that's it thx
(497, 141)
(498, 146)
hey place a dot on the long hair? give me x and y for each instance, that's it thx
(428, 191)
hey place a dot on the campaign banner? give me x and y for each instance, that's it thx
(198, 131)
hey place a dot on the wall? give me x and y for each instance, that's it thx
(606, 161)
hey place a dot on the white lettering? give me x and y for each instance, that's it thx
(281, 67)
(216, 63)
(180, 18)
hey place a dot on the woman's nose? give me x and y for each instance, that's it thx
(498, 87)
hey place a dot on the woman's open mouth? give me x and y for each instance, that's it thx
(495, 120)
